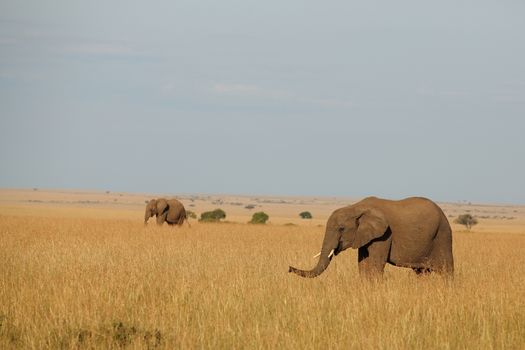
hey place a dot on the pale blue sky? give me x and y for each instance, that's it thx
(336, 98)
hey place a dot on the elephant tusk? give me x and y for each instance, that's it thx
(331, 253)
(316, 255)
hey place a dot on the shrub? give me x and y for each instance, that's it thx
(467, 220)
(249, 206)
(191, 214)
(213, 216)
(259, 218)
(305, 215)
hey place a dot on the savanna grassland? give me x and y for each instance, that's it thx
(85, 273)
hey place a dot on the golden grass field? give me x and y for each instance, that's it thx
(79, 270)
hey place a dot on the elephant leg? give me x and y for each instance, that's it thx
(373, 257)
(183, 217)
(161, 218)
(371, 261)
(440, 259)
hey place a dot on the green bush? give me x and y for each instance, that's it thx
(467, 220)
(213, 216)
(305, 215)
(191, 214)
(259, 218)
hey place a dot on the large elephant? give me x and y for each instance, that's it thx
(171, 211)
(413, 232)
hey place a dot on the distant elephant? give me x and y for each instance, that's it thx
(413, 232)
(171, 211)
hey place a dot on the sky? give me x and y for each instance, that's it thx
(331, 98)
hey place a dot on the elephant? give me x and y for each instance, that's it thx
(171, 211)
(412, 232)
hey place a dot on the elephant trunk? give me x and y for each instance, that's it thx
(146, 217)
(330, 244)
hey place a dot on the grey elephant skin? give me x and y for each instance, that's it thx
(166, 210)
(413, 232)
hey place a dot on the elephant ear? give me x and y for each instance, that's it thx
(371, 224)
(162, 206)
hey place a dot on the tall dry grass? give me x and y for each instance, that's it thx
(108, 283)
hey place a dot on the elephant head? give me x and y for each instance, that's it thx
(353, 226)
(154, 207)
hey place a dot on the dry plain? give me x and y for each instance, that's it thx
(79, 270)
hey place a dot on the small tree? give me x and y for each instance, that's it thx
(259, 218)
(305, 215)
(467, 220)
(213, 216)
